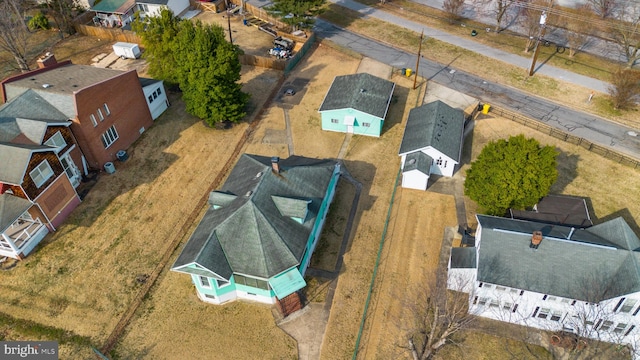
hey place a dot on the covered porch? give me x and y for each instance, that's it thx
(20, 231)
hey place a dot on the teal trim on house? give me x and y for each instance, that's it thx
(265, 221)
(352, 121)
(287, 283)
(357, 104)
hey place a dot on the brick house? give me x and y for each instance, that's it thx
(107, 108)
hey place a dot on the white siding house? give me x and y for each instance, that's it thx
(586, 281)
(153, 7)
(432, 143)
(156, 96)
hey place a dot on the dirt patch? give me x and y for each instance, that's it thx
(373, 67)
(251, 40)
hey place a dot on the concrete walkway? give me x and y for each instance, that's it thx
(474, 46)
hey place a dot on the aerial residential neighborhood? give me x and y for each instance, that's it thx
(317, 179)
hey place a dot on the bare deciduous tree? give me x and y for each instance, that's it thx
(438, 315)
(13, 35)
(603, 8)
(63, 13)
(453, 8)
(529, 19)
(578, 28)
(501, 9)
(625, 88)
(625, 31)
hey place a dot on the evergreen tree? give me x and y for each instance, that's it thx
(209, 74)
(198, 59)
(513, 173)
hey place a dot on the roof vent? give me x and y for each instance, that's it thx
(46, 86)
(362, 91)
(249, 193)
(259, 174)
(536, 239)
(411, 161)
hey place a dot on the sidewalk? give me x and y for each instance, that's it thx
(524, 63)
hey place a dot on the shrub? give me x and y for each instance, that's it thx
(39, 21)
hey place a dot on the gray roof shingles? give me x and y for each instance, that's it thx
(591, 264)
(463, 258)
(418, 161)
(435, 124)
(14, 159)
(363, 92)
(249, 236)
(11, 207)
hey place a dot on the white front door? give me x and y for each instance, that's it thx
(72, 171)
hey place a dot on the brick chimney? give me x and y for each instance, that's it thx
(536, 239)
(275, 166)
(46, 60)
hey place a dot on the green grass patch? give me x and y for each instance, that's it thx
(26, 329)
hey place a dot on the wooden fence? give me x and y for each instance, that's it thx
(114, 34)
(261, 14)
(565, 136)
(262, 61)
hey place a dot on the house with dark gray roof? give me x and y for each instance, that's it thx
(357, 104)
(256, 238)
(432, 143)
(553, 277)
(559, 210)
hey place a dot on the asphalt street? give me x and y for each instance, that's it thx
(588, 126)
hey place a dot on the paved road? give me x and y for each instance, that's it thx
(591, 127)
(469, 44)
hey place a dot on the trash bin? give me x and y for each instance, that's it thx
(403, 71)
(408, 73)
(474, 33)
(109, 168)
(244, 22)
(485, 108)
(122, 155)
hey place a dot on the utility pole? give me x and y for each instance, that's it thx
(415, 79)
(229, 25)
(543, 29)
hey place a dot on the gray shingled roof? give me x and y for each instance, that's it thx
(592, 265)
(11, 207)
(363, 92)
(14, 159)
(148, 81)
(463, 258)
(435, 124)
(558, 209)
(30, 105)
(62, 82)
(418, 161)
(155, 2)
(249, 236)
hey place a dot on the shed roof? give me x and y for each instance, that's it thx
(435, 124)
(558, 209)
(248, 234)
(418, 161)
(463, 258)
(592, 264)
(363, 92)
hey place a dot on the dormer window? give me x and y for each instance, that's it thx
(296, 209)
(57, 141)
(41, 173)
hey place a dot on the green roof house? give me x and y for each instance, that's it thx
(114, 13)
(356, 104)
(432, 143)
(257, 237)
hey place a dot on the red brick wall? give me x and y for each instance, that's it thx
(129, 112)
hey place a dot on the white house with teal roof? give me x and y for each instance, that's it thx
(357, 104)
(553, 277)
(256, 239)
(432, 143)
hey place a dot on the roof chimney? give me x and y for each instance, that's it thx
(275, 166)
(46, 60)
(536, 239)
